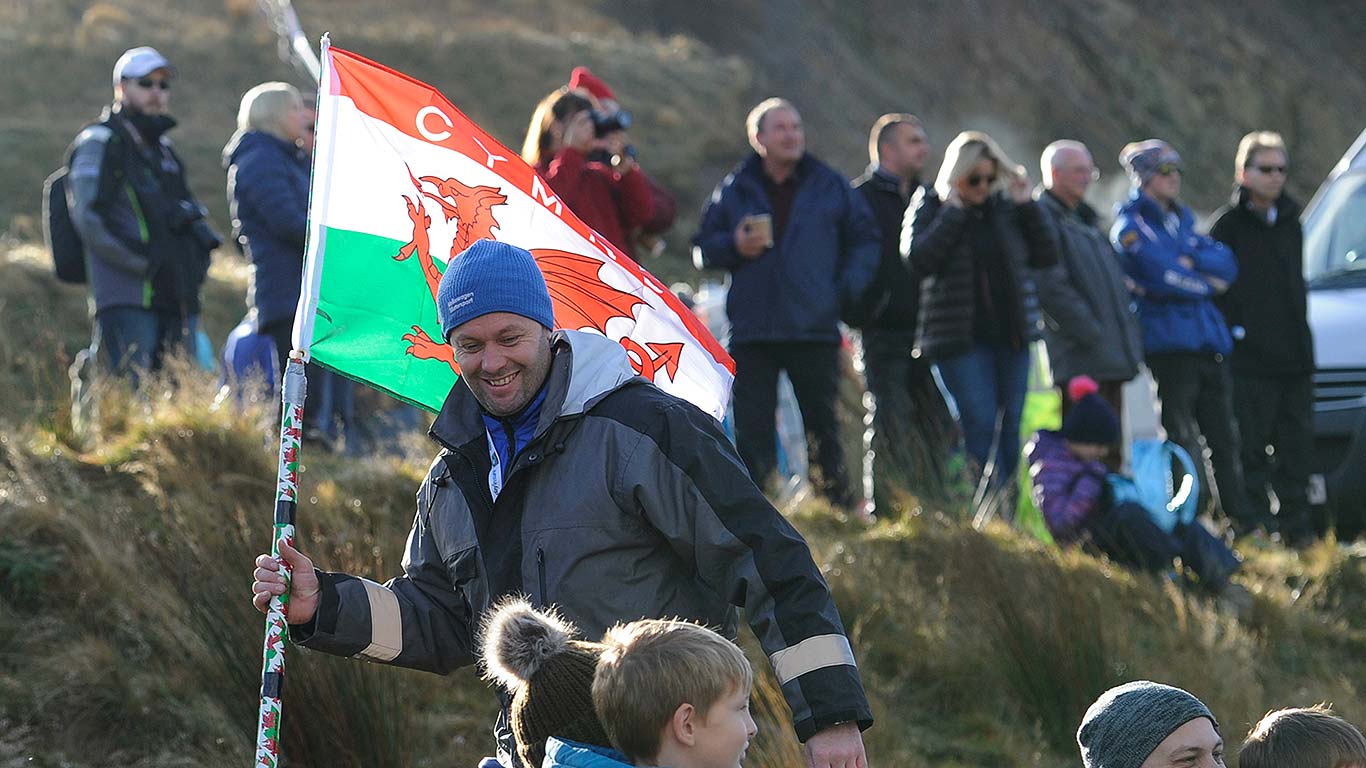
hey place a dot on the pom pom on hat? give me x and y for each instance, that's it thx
(518, 639)
(1091, 419)
(1081, 386)
(583, 79)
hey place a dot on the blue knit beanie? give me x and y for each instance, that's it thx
(1142, 158)
(1128, 722)
(490, 276)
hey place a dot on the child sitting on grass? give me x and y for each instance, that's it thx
(1068, 481)
(674, 694)
(1310, 737)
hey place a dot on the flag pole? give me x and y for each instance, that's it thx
(293, 391)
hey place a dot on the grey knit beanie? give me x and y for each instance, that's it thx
(1127, 723)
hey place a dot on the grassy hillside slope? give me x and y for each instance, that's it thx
(126, 635)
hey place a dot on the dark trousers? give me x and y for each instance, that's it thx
(1127, 534)
(1112, 392)
(912, 432)
(1197, 401)
(1275, 419)
(813, 368)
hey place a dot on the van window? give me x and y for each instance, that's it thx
(1335, 237)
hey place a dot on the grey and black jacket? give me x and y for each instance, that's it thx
(628, 503)
(1089, 322)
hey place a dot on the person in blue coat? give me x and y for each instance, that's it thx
(802, 247)
(1175, 273)
(268, 196)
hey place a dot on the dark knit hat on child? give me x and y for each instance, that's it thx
(488, 277)
(1128, 722)
(549, 674)
(1091, 419)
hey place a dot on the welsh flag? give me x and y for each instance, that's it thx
(402, 183)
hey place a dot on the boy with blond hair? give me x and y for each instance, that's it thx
(1308, 737)
(676, 694)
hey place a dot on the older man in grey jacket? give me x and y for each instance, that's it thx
(1090, 328)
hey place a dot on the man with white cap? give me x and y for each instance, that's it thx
(145, 238)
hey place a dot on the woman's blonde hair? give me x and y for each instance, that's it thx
(557, 105)
(963, 153)
(266, 108)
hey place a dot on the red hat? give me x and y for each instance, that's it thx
(582, 78)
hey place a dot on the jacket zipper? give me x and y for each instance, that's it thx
(540, 570)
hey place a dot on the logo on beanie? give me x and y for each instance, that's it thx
(460, 302)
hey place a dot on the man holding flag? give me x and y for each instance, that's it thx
(566, 477)
(582, 463)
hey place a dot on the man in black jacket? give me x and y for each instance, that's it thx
(911, 430)
(1273, 350)
(146, 241)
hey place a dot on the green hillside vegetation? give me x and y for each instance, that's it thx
(127, 637)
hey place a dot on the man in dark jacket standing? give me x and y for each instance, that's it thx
(1273, 350)
(1089, 327)
(146, 241)
(567, 478)
(911, 427)
(801, 247)
(1175, 274)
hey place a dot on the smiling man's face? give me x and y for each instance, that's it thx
(504, 359)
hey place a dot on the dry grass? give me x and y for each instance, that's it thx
(126, 635)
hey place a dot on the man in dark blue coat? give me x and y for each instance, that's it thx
(802, 247)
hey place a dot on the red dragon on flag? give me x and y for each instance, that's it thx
(582, 300)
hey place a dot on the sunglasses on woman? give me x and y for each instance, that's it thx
(149, 84)
(1167, 169)
(976, 179)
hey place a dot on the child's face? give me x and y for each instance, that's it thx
(723, 734)
(1088, 451)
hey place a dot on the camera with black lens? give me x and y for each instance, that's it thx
(188, 218)
(610, 122)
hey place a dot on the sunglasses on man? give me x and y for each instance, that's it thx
(1270, 169)
(977, 179)
(1167, 169)
(150, 83)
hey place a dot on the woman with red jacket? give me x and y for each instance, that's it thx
(613, 200)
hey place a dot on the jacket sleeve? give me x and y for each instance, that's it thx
(685, 478)
(1215, 259)
(665, 208)
(930, 232)
(83, 191)
(417, 620)
(860, 246)
(1064, 305)
(635, 199)
(1229, 303)
(1153, 266)
(714, 243)
(1041, 235)
(264, 188)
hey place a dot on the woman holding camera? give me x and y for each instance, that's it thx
(613, 198)
(976, 239)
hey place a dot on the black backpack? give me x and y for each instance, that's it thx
(68, 254)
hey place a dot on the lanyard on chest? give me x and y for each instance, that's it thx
(495, 468)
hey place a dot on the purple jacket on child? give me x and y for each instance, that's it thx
(1066, 489)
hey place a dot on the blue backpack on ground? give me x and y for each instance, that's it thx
(1170, 499)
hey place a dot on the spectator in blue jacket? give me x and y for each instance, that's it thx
(802, 247)
(1175, 273)
(268, 195)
